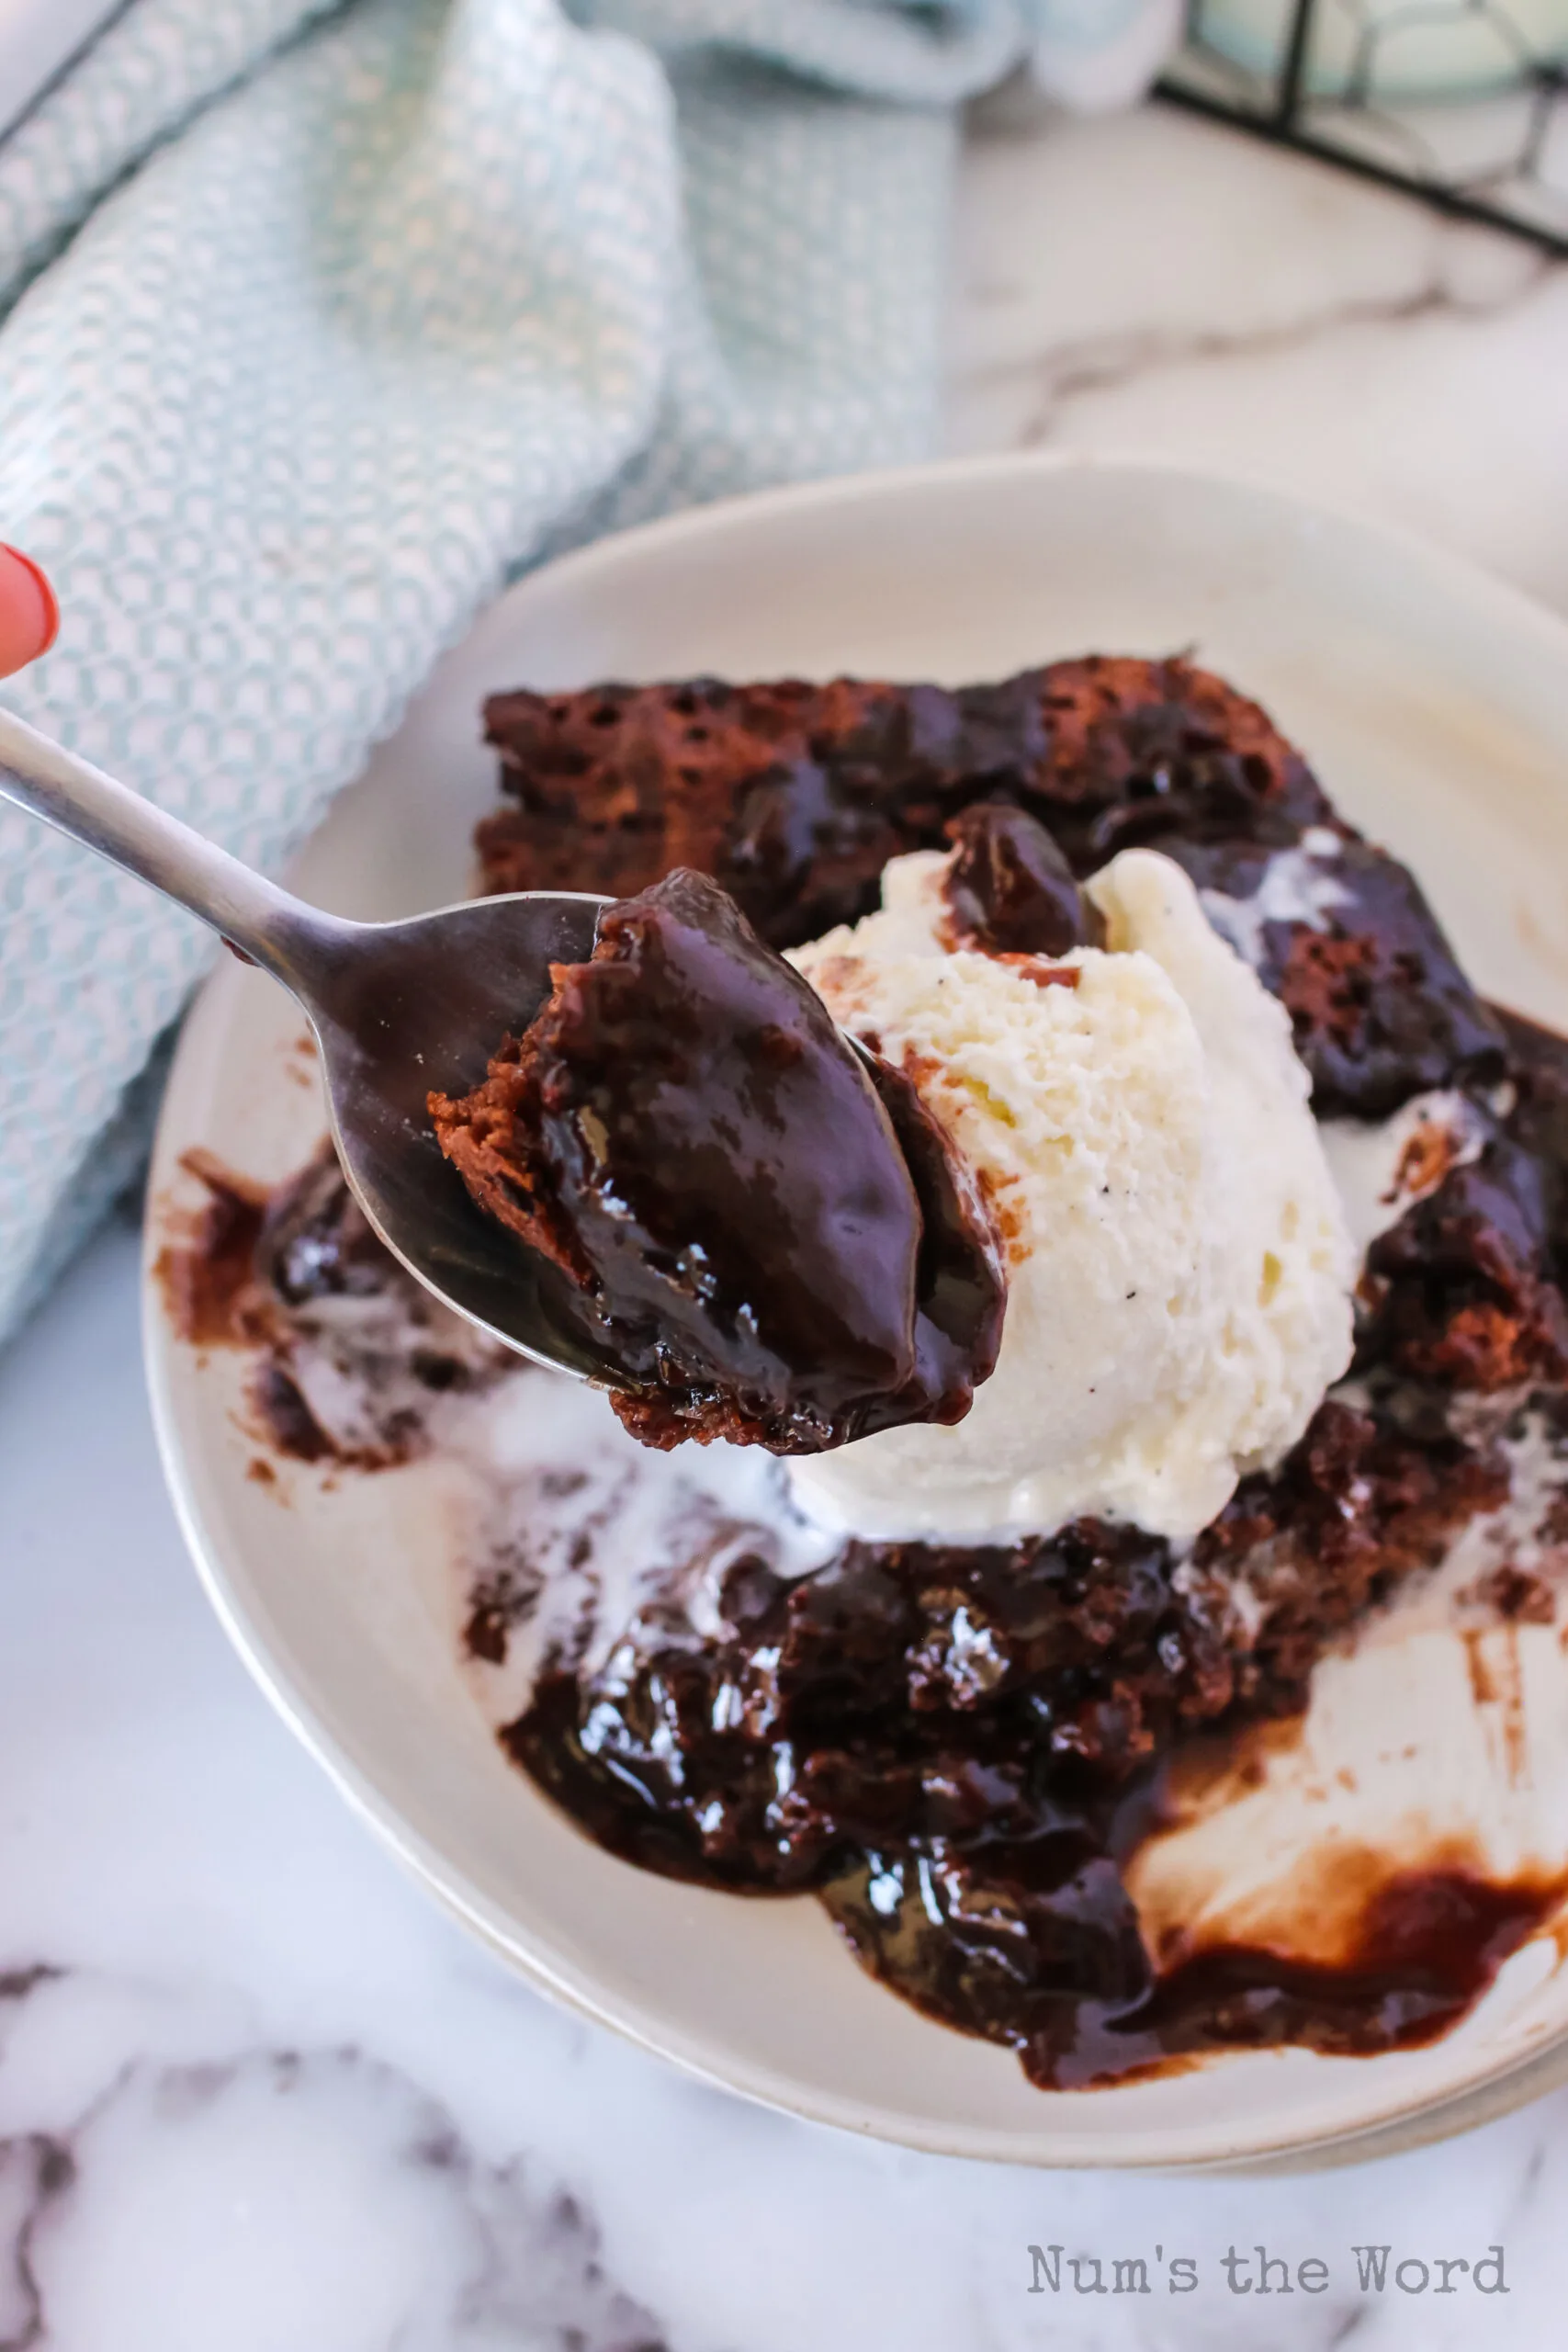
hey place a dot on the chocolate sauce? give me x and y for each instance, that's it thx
(207, 1273)
(683, 1130)
(315, 1242)
(1428, 1944)
(297, 1276)
(902, 1692)
(218, 1287)
(280, 1406)
(1009, 891)
(957, 1747)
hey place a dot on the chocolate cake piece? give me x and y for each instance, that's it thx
(769, 1254)
(1343, 935)
(1460, 1290)
(1139, 751)
(1538, 1118)
(1361, 1502)
(795, 795)
(1379, 1004)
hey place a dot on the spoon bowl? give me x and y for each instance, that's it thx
(422, 1005)
(396, 1010)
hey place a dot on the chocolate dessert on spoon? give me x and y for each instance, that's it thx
(805, 1267)
(774, 1251)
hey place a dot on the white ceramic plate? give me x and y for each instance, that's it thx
(1434, 705)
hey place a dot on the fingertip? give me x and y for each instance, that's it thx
(29, 611)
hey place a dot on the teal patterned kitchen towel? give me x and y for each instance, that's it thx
(317, 323)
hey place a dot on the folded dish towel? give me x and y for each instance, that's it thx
(318, 321)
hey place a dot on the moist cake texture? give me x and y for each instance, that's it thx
(959, 1748)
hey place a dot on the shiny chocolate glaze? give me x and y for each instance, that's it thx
(1009, 891)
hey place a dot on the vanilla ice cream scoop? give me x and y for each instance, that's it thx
(1180, 1270)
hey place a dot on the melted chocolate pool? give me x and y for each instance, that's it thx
(958, 1748)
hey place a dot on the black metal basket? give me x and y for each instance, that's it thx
(1341, 80)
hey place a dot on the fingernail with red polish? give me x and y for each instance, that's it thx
(46, 594)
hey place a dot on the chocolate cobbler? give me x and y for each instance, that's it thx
(954, 1745)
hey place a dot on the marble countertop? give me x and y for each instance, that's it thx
(255, 2091)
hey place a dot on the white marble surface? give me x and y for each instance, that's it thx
(255, 2093)
(1154, 283)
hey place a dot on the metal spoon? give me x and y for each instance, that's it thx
(397, 1008)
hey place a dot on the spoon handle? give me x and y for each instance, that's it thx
(266, 923)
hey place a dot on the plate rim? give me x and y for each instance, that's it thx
(1491, 2091)
(712, 516)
